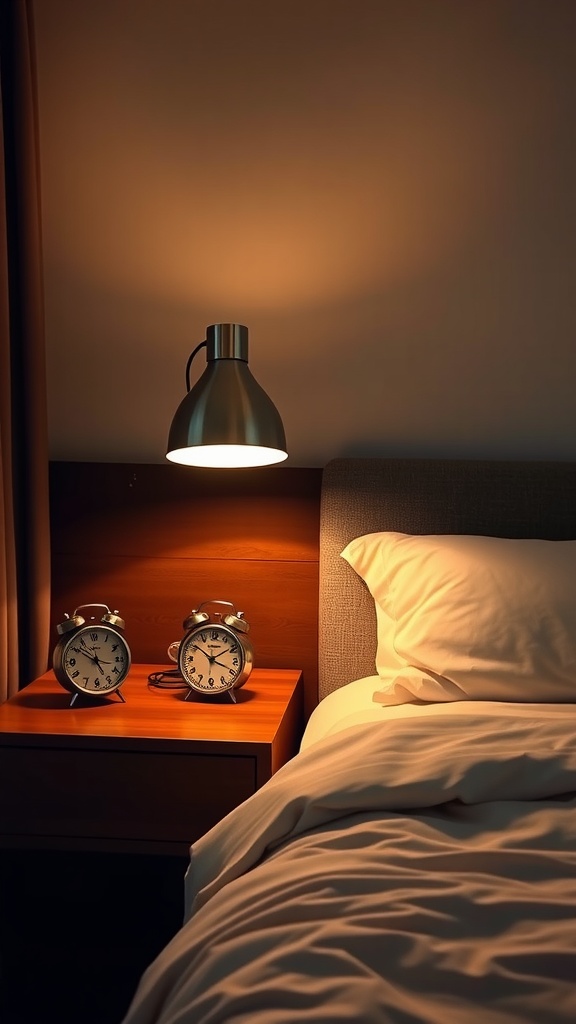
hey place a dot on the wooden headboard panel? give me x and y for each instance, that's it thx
(501, 499)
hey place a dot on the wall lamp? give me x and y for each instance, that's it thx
(226, 420)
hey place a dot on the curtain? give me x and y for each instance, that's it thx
(24, 497)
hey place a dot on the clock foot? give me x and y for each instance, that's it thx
(97, 696)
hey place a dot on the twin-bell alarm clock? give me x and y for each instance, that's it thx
(91, 657)
(215, 655)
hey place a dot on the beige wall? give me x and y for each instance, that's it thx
(382, 190)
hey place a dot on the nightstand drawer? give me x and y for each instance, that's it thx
(119, 795)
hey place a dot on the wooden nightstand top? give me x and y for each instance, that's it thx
(149, 775)
(150, 714)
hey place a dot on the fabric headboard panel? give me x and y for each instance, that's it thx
(500, 499)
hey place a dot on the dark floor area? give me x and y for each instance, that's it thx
(77, 930)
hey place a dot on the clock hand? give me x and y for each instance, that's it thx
(201, 649)
(83, 650)
(211, 658)
(98, 662)
(221, 663)
(93, 657)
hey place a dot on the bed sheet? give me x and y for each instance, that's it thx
(353, 704)
(412, 870)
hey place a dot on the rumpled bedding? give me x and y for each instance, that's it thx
(404, 871)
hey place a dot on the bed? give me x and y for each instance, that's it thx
(416, 861)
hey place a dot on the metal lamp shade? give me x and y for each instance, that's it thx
(227, 419)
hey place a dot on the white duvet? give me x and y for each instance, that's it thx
(411, 870)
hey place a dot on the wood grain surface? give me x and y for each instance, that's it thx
(148, 713)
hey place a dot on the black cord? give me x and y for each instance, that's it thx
(168, 680)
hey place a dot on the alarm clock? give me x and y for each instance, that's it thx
(92, 656)
(215, 655)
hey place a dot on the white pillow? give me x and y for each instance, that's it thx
(471, 618)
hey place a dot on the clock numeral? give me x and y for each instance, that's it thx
(94, 636)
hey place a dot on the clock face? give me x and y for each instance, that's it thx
(96, 659)
(212, 659)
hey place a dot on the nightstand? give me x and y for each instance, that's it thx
(146, 776)
(99, 804)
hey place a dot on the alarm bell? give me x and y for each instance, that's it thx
(237, 622)
(195, 618)
(70, 623)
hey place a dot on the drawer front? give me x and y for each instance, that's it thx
(114, 795)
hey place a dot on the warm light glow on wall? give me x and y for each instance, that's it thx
(266, 187)
(383, 192)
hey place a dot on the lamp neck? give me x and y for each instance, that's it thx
(227, 341)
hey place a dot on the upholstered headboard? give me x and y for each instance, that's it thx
(500, 499)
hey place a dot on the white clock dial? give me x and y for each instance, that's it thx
(212, 659)
(96, 659)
